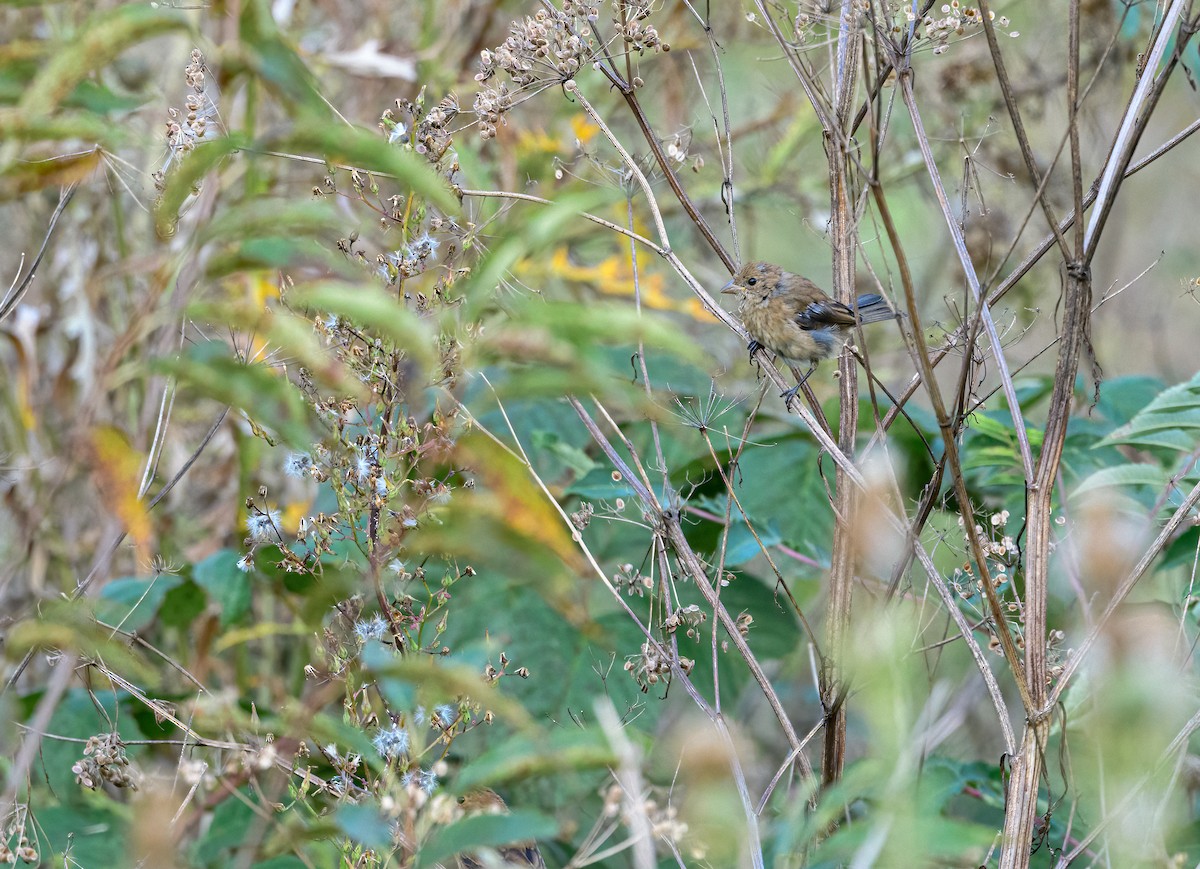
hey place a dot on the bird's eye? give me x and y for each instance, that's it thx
(751, 282)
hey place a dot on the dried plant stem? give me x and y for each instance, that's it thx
(950, 447)
(842, 563)
(1032, 259)
(960, 246)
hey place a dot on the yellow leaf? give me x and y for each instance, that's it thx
(614, 277)
(584, 129)
(118, 470)
(293, 513)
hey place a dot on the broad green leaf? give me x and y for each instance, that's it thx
(227, 586)
(1174, 409)
(364, 824)
(1124, 475)
(520, 758)
(485, 831)
(133, 603)
(184, 603)
(231, 822)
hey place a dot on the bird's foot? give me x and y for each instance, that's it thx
(753, 347)
(789, 394)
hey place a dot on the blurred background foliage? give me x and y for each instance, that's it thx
(301, 540)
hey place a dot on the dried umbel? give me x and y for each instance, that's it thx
(654, 664)
(427, 132)
(104, 760)
(548, 47)
(188, 127)
(629, 20)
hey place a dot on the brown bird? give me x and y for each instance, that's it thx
(520, 855)
(794, 318)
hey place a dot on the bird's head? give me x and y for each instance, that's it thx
(755, 279)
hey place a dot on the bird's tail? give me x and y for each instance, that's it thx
(872, 308)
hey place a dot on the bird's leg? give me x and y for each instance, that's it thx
(789, 394)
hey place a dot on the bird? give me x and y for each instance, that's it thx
(794, 318)
(520, 855)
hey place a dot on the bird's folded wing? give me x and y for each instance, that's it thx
(820, 315)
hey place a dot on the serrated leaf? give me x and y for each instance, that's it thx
(1176, 408)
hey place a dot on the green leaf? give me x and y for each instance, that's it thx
(742, 546)
(1164, 419)
(226, 585)
(16, 124)
(263, 394)
(292, 334)
(1182, 551)
(367, 150)
(575, 459)
(1122, 397)
(99, 41)
(231, 822)
(370, 307)
(133, 603)
(94, 835)
(186, 175)
(522, 757)
(485, 831)
(182, 605)
(278, 65)
(364, 824)
(271, 218)
(1124, 475)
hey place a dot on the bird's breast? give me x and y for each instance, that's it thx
(774, 328)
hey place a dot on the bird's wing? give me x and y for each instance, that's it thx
(821, 315)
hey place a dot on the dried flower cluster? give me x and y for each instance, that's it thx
(187, 128)
(628, 19)
(428, 133)
(654, 664)
(689, 618)
(104, 760)
(548, 47)
(956, 20)
(665, 823)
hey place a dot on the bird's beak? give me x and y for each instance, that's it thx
(730, 287)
